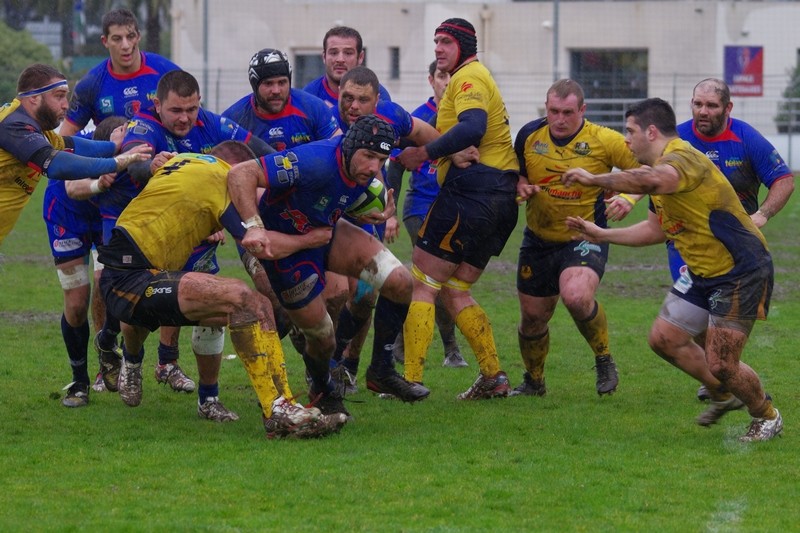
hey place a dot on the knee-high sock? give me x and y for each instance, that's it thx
(76, 340)
(417, 337)
(476, 328)
(108, 335)
(254, 346)
(389, 319)
(347, 328)
(277, 365)
(595, 330)
(534, 352)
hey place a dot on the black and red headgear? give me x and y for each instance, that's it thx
(464, 34)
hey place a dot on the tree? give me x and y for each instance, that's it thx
(788, 119)
(19, 51)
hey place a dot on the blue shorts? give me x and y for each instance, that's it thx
(203, 259)
(71, 234)
(299, 278)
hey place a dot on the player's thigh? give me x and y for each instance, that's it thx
(202, 296)
(352, 249)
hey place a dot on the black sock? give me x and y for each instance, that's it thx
(388, 322)
(319, 371)
(76, 340)
(349, 325)
(108, 335)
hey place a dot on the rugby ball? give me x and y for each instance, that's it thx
(371, 202)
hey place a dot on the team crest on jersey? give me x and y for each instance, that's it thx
(132, 107)
(107, 105)
(582, 148)
(541, 148)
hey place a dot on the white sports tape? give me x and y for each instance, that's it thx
(421, 276)
(323, 330)
(457, 284)
(208, 340)
(73, 277)
(97, 264)
(384, 264)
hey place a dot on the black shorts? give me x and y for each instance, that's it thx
(147, 298)
(541, 263)
(469, 225)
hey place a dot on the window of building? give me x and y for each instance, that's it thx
(394, 62)
(307, 66)
(610, 73)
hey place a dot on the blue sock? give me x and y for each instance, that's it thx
(204, 392)
(76, 340)
(135, 359)
(167, 354)
(108, 335)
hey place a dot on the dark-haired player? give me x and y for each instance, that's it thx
(282, 116)
(342, 49)
(311, 186)
(120, 85)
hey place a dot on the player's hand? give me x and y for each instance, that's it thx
(577, 175)
(317, 237)
(137, 153)
(117, 135)
(376, 219)
(256, 241)
(216, 237)
(525, 190)
(105, 181)
(160, 160)
(412, 157)
(392, 230)
(466, 157)
(587, 230)
(759, 219)
(618, 207)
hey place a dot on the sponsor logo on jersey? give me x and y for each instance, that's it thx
(322, 203)
(712, 155)
(582, 148)
(466, 86)
(344, 200)
(301, 290)
(107, 105)
(154, 291)
(276, 132)
(67, 245)
(733, 162)
(130, 92)
(541, 148)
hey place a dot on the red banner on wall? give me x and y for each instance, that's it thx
(744, 70)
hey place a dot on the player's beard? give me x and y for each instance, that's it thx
(272, 107)
(714, 127)
(47, 118)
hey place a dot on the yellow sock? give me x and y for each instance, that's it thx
(252, 345)
(595, 331)
(277, 363)
(417, 336)
(534, 351)
(476, 328)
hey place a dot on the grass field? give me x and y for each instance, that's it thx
(570, 461)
